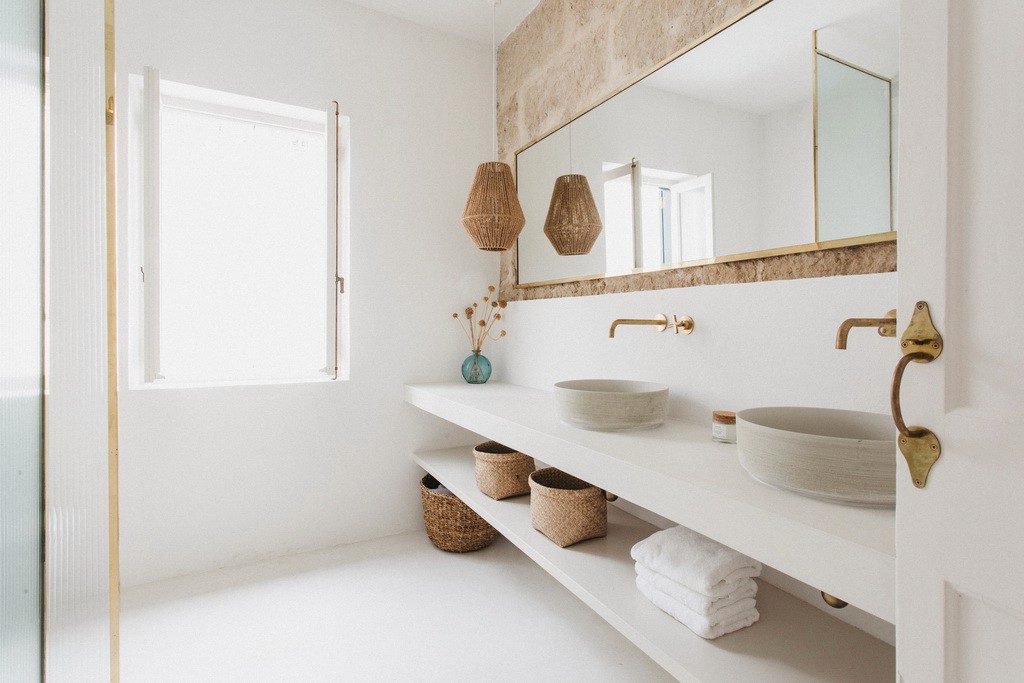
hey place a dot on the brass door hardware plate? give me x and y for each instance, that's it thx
(920, 343)
(921, 335)
(921, 448)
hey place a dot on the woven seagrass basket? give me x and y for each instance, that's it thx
(502, 472)
(566, 509)
(451, 524)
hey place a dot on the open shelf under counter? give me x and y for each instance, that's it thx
(678, 472)
(791, 642)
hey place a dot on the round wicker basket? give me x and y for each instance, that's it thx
(502, 472)
(451, 524)
(566, 509)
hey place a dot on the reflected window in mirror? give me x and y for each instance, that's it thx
(655, 218)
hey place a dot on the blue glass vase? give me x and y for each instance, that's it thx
(476, 369)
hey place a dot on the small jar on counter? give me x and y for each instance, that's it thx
(723, 426)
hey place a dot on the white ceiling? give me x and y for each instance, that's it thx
(763, 63)
(467, 18)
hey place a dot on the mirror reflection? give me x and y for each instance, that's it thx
(713, 157)
(854, 161)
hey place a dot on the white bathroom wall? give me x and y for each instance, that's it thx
(787, 176)
(218, 476)
(756, 344)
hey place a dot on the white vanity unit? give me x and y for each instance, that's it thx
(679, 473)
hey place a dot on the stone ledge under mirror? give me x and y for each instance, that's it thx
(856, 260)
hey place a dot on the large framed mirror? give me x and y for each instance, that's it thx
(773, 136)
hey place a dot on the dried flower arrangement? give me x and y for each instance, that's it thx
(478, 327)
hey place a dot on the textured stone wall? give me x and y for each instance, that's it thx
(566, 56)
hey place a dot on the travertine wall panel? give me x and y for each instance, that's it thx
(569, 54)
(566, 56)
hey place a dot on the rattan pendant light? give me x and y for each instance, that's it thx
(573, 223)
(493, 217)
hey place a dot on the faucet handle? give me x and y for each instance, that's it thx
(686, 324)
(888, 329)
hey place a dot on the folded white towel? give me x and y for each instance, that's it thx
(740, 615)
(695, 561)
(691, 599)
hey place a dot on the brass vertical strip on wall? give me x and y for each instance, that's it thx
(112, 426)
(338, 282)
(44, 201)
(814, 125)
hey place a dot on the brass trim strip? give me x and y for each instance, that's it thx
(814, 130)
(44, 597)
(113, 511)
(853, 66)
(339, 281)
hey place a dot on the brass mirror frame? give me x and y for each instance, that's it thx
(875, 253)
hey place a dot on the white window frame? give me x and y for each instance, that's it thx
(704, 236)
(148, 94)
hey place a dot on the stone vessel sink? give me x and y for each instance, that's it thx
(607, 405)
(844, 456)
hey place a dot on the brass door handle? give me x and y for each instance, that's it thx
(894, 400)
(921, 343)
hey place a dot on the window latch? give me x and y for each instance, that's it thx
(341, 283)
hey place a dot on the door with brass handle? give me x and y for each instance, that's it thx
(920, 343)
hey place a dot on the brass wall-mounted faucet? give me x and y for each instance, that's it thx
(661, 322)
(886, 327)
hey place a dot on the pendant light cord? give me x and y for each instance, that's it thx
(570, 147)
(494, 82)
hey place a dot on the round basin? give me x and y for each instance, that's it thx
(838, 455)
(607, 405)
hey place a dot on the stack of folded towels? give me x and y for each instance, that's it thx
(703, 584)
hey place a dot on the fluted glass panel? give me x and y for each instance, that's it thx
(77, 528)
(21, 346)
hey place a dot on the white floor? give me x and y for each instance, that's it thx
(394, 609)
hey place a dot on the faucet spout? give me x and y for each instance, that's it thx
(661, 322)
(886, 327)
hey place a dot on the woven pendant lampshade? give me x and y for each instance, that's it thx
(573, 223)
(493, 217)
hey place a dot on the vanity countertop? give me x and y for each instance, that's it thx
(678, 472)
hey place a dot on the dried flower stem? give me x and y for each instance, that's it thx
(479, 329)
(465, 329)
(490, 324)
